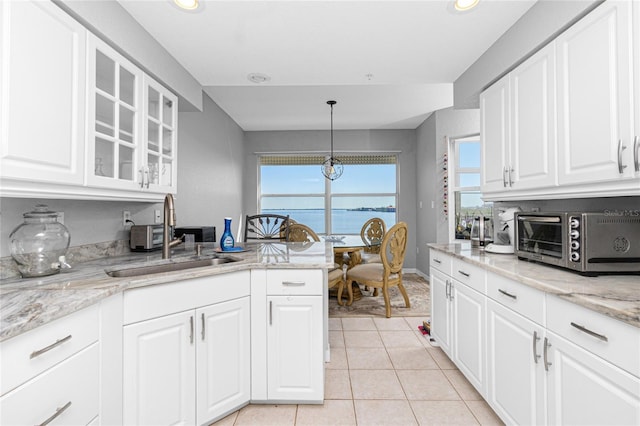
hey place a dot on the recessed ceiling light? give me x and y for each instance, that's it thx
(258, 78)
(187, 4)
(464, 5)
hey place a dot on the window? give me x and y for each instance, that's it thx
(294, 185)
(465, 174)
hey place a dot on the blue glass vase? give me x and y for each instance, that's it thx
(226, 241)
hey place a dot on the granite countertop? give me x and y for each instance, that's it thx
(26, 303)
(617, 296)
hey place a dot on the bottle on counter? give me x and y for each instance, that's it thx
(226, 241)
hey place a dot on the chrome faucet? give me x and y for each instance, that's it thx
(167, 228)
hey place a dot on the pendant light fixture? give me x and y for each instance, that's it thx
(332, 167)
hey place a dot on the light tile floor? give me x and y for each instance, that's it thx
(383, 371)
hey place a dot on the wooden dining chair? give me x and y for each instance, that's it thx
(386, 274)
(266, 227)
(372, 233)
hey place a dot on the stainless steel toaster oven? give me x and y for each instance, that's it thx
(145, 237)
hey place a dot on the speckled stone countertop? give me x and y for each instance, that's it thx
(617, 296)
(26, 303)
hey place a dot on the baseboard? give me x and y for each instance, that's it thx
(422, 274)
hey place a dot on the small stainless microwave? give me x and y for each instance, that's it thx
(146, 237)
(590, 243)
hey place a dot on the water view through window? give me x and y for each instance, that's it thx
(301, 192)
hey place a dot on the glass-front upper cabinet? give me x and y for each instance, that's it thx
(160, 112)
(115, 109)
(132, 129)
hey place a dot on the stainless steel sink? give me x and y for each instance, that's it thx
(168, 267)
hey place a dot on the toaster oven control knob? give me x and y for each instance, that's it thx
(575, 235)
(575, 245)
(575, 223)
(575, 256)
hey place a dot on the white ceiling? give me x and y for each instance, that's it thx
(388, 64)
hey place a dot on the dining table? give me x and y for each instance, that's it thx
(346, 251)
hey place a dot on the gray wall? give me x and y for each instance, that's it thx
(401, 141)
(538, 26)
(431, 147)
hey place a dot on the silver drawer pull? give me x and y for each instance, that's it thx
(536, 357)
(589, 332)
(56, 414)
(48, 348)
(191, 329)
(293, 283)
(437, 260)
(202, 334)
(464, 273)
(513, 296)
(545, 358)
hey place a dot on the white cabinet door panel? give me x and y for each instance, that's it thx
(223, 351)
(494, 134)
(533, 122)
(516, 380)
(295, 356)
(586, 390)
(159, 371)
(469, 334)
(42, 87)
(595, 97)
(440, 310)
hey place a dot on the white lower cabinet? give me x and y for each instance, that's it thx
(224, 369)
(584, 389)
(548, 361)
(159, 371)
(294, 348)
(287, 354)
(516, 382)
(186, 350)
(458, 321)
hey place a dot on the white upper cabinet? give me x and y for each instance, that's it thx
(494, 134)
(595, 100)
(518, 127)
(114, 111)
(79, 120)
(42, 93)
(132, 126)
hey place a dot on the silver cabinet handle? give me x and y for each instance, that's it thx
(506, 293)
(451, 290)
(547, 345)
(510, 178)
(191, 333)
(464, 273)
(446, 290)
(56, 414)
(536, 357)
(620, 149)
(146, 173)
(202, 333)
(589, 332)
(437, 260)
(636, 148)
(293, 283)
(142, 177)
(270, 312)
(504, 176)
(48, 348)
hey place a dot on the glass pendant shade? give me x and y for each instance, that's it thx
(332, 168)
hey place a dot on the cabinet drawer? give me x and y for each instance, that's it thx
(30, 353)
(294, 281)
(613, 340)
(163, 299)
(74, 384)
(440, 261)
(471, 275)
(525, 300)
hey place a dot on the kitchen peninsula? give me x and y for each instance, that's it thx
(176, 328)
